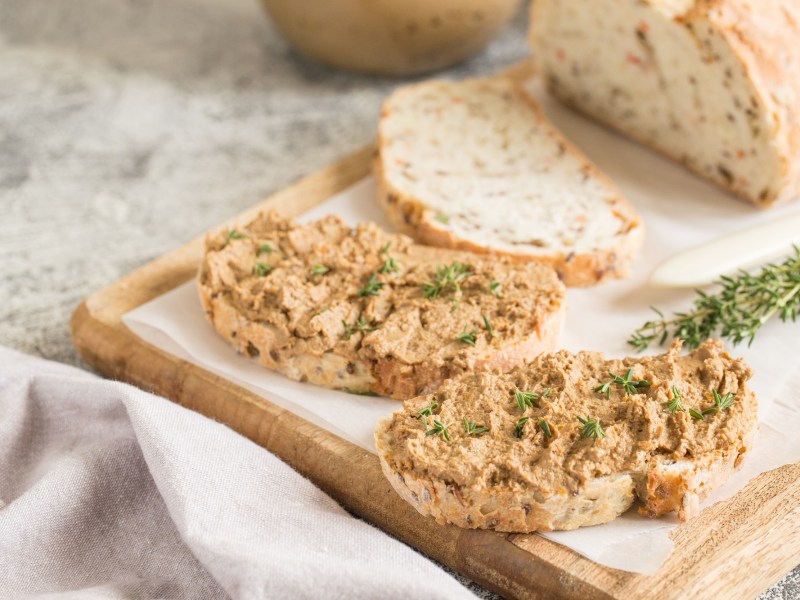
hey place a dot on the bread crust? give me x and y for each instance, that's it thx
(411, 216)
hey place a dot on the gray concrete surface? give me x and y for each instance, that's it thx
(127, 127)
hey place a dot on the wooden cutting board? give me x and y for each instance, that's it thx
(735, 549)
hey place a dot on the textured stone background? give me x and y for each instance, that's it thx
(128, 127)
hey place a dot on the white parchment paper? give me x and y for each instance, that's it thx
(680, 211)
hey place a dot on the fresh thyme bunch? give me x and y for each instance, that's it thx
(745, 302)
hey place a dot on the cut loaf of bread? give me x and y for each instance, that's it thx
(475, 165)
(366, 311)
(477, 455)
(713, 84)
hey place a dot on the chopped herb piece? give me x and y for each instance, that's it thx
(442, 218)
(234, 234)
(371, 287)
(390, 265)
(360, 326)
(265, 249)
(722, 402)
(319, 270)
(529, 399)
(676, 404)
(439, 429)
(467, 337)
(447, 277)
(494, 288)
(472, 428)
(519, 426)
(545, 427)
(590, 427)
(488, 325)
(263, 268)
(629, 384)
(385, 248)
(696, 415)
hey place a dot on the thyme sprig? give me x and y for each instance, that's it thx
(529, 399)
(439, 429)
(371, 287)
(473, 429)
(737, 311)
(447, 278)
(676, 404)
(720, 403)
(630, 385)
(360, 326)
(590, 427)
(468, 337)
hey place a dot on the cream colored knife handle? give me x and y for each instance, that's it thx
(703, 264)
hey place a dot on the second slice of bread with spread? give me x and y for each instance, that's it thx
(366, 311)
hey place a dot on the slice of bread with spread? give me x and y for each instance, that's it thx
(572, 439)
(366, 311)
(714, 85)
(474, 165)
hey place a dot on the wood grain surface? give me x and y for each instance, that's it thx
(734, 549)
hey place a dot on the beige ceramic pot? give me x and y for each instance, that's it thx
(390, 37)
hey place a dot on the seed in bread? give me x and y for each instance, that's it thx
(475, 165)
(713, 85)
(572, 440)
(366, 311)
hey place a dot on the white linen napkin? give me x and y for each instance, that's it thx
(109, 492)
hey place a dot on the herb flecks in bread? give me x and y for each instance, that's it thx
(347, 308)
(474, 165)
(713, 85)
(574, 457)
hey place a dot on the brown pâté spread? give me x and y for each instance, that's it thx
(562, 455)
(378, 301)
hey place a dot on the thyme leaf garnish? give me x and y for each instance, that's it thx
(471, 428)
(371, 287)
(520, 425)
(319, 270)
(447, 278)
(262, 268)
(360, 326)
(439, 429)
(676, 404)
(467, 337)
(527, 400)
(590, 427)
(630, 385)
